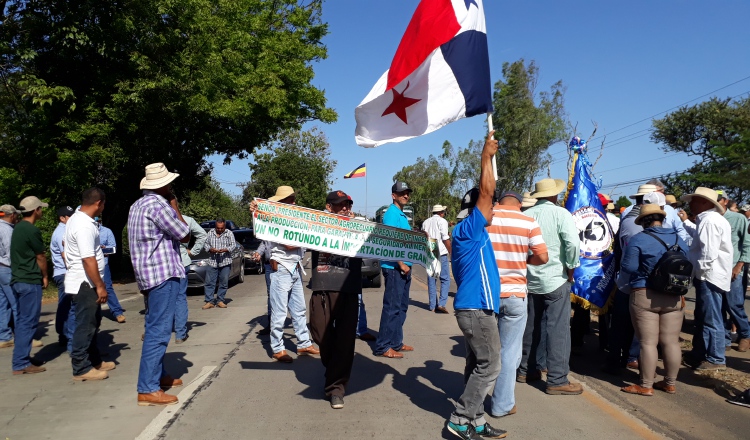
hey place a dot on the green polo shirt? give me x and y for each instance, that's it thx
(25, 244)
(740, 238)
(563, 245)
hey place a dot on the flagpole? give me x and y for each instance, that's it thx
(366, 195)
(489, 130)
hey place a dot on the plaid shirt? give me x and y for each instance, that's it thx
(154, 234)
(223, 241)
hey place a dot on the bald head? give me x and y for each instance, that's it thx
(510, 201)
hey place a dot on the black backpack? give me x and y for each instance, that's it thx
(673, 272)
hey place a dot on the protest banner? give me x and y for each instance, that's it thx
(326, 232)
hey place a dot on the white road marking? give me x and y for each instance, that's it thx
(160, 421)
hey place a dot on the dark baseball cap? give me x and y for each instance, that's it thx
(513, 194)
(400, 187)
(65, 211)
(336, 197)
(468, 203)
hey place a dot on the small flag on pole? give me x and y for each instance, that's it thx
(440, 74)
(360, 171)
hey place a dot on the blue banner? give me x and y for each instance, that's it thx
(595, 277)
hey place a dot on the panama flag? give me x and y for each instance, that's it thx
(440, 73)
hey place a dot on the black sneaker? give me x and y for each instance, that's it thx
(741, 400)
(465, 432)
(337, 402)
(489, 432)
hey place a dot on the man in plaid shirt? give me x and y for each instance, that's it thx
(155, 230)
(219, 244)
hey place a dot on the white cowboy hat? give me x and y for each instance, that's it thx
(644, 189)
(157, 176)
(548, 188)
(706, 193)
(282, 192)
(439, 208)
(528, 201)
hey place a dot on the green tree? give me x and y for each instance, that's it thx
(526, 124)
(717, 132)
(622, 202)
(95, 90)
(301, 159)
(212, 202)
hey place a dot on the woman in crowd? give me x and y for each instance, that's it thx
(657, 316)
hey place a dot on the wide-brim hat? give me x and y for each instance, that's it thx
(649, 210)
(439, 208)
(671, 200)
(644, 189)
(548, 188)
(705, 193)
(528, 201)
(157, 176)
(282, 192)
(610, 205)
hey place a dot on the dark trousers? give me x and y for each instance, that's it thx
(393, 316)
(621, 332)
(63, 308)
(580, 325)
(85, 353)
(333, 324)
(555, 308)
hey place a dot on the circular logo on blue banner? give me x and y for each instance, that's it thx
(594, 232)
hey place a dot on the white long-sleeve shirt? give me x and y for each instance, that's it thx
(711, 250)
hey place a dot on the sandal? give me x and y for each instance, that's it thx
(662, 385)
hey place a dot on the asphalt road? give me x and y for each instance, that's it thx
(234, 390)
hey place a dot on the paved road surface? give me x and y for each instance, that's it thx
(234, 390)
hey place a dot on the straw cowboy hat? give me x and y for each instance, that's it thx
(528, 201)
(671, 200)
(648, 210)
(282, 192)
(548, 188)
(439, 208)
(644, 189)
(157, 176)
(705, 193)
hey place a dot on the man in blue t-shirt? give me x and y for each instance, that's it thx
(397, 276)
(477, 303)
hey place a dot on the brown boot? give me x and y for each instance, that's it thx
(637, 389)
(221, 305)
(405, 347)
(207, 306)
(570, 389)
(283, 357)
(157, 398)
(31, 369)
(92, 374)
(743, 345)
(106, 366)
(662, 385)
(169, 382)
(393, 354)
(121, 319)
(307, 350)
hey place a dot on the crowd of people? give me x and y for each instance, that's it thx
(512, 257)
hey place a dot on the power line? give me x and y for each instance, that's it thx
(639, 163)
(642, 179)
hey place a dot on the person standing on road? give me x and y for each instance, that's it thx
(220, 243)
(7, 298)
(336, 282)
(397, 276)
(734, 301)
(362, 332)
(657, 316)
(155, 230)
(549, 286)
(84, 281)
(198, 235)
(262, 256)
(57, 251)
(513, 235)
(109, 247)
(286, 289)
(711, 254)
(436, 228)
(477, 303)
(29, 277)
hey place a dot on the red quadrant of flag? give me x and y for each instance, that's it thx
(433, 24)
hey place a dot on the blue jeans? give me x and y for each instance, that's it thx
(734, 304)
(7, 305)
(114, 304)
(511, 324)
(361, 318)
(160, 306)
(445, 284)
(267, 274)
(393, 316)
(212, 273)
(63, 308)
(181, 310)
(708, 342)
(554, 307)
(29, 303)
(287, 294)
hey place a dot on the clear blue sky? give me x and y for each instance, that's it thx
(622, 62)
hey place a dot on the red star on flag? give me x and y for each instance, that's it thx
(399, 104)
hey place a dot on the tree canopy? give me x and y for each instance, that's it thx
(717, 132)
(212, 202)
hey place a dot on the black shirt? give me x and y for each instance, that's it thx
(336, 273)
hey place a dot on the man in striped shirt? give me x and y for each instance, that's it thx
(513, 235)
(219, 244)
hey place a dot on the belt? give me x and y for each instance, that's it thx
(4, 265)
